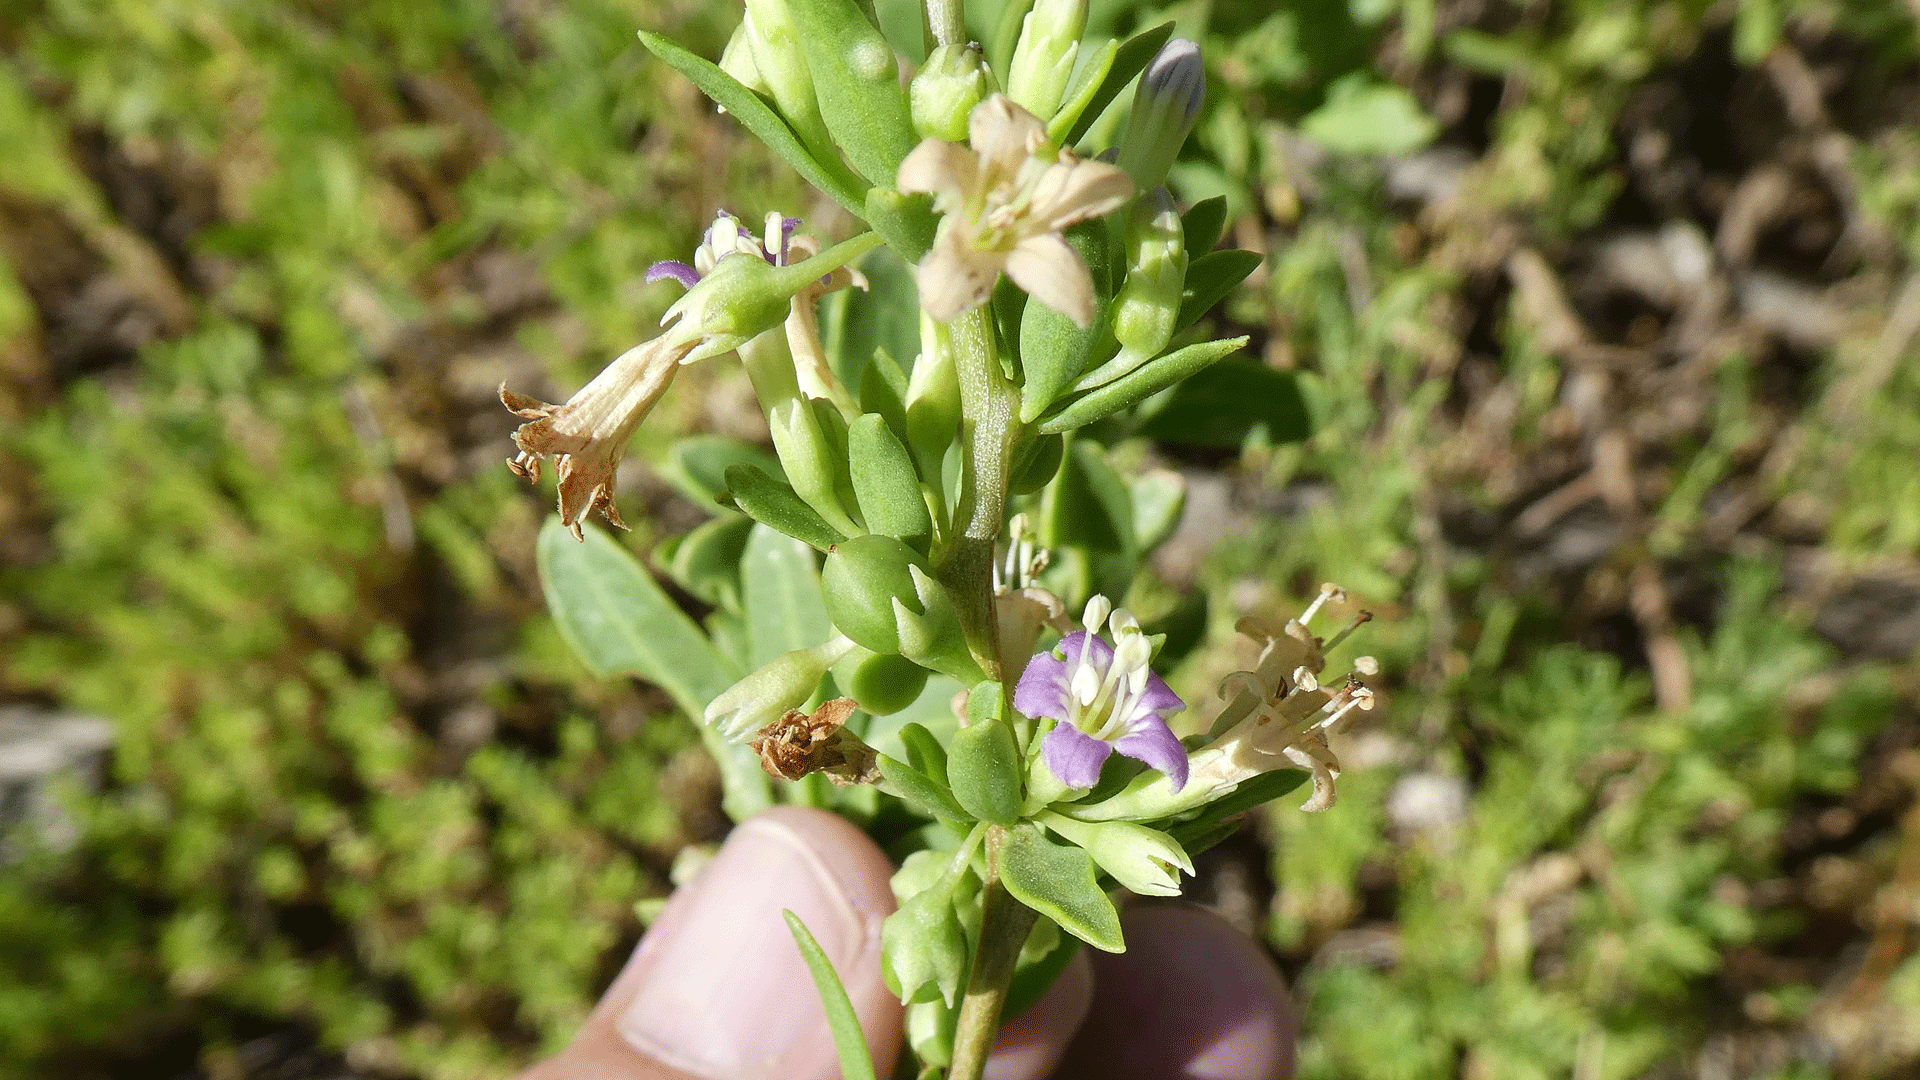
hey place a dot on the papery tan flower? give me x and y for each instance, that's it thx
(1005, 202)
(589, 433)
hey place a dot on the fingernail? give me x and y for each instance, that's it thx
(727, 995)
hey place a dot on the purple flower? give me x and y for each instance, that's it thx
(1105, 698)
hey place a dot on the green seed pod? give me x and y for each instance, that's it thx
(953, 80)
(1043, 60)
(1147, 308)
(984, 767)
(862, 580)
(884, 684)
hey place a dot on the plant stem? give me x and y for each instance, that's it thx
(987, 433)
(947, 21)
(1004, 926)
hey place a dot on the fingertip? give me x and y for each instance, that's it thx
(1191, 999)
(1030, 1046)
(717, 987)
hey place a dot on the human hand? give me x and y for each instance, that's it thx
(717, 990)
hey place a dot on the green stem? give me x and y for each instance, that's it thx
(1004, 926)
(987, 431)
(947, 21)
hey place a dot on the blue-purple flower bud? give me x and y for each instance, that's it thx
(1165, 106)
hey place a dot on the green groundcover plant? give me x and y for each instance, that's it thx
(938, 508)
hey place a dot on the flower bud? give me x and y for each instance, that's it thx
(1146, 861)
(780, 64)
(924, 949)
(930, 1030)
(811, 441)
(1168, 100)
(1043, 59)
(933, 401)
(953, 80)
(1147, 307)
(737, 59)
(781, 685)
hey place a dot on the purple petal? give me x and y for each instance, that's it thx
(1159, 698)
(1152, 742)
(1096, 648)
(673, 268)
(1075, 757)
(1042, 689)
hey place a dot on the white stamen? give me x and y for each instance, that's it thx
(1084, 685)
(1328, 591)
(1366, 665)
(1305, 680)
(772, 239)
(1096, 614)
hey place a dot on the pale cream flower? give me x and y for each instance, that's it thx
(1005, 202)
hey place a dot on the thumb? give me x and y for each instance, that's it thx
(717, 989)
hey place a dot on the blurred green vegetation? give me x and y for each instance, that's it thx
(266, 263)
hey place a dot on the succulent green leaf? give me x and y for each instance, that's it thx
(1057, 880)
(920, 790)
(924, 949)
(849, 1041)
(1138, 385)
(619, 622)
(1053, 351)
(984, 767)
(905, 222)
(829, 176)
(1080, 95)
(857, 82)
(925, 751)
(1210, 277)
(706, 561)
(884, 482)
(1202, 225)
(697, 466)
(1128, 61)
(773, 502)
(1226, 402)
(781, 588)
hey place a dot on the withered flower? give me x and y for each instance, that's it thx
(798, 744)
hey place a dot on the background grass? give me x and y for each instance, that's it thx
(1605, 313)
